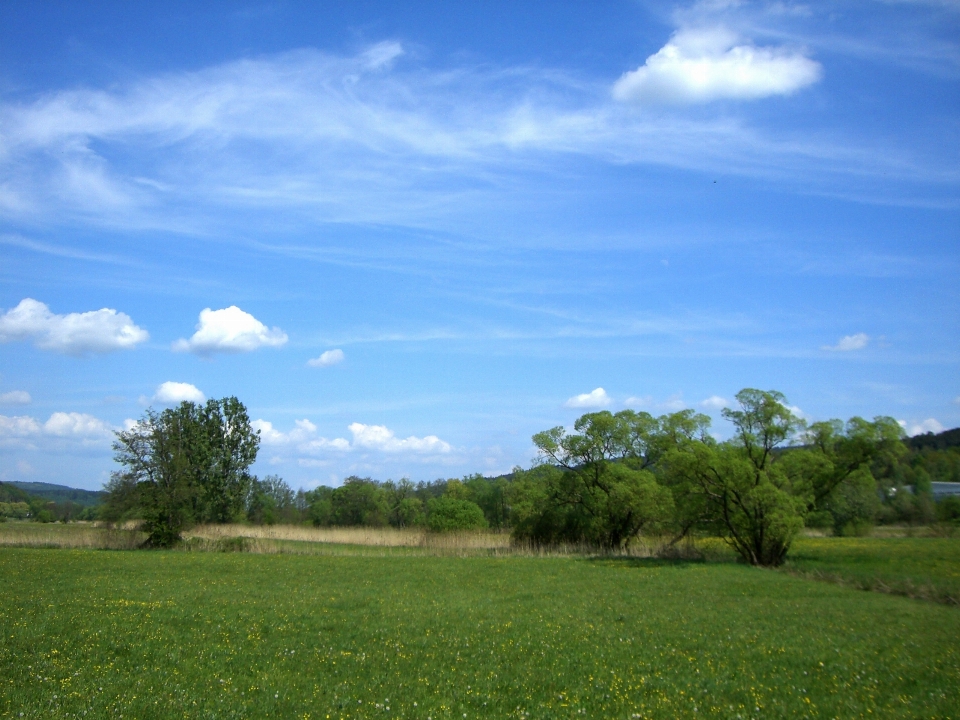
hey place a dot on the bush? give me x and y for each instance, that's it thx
(446, 514)
(948, 509)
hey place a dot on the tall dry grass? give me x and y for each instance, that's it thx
(385, 537)
(301, 539)
(73, 535)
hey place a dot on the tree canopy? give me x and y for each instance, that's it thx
(184, 465)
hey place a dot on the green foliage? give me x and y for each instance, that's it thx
(359, 501)
(270, 500)
(854, 504)
(449, 513)
(603, 493)
(184, 465)
(623, 474)
(948, 510)
(409, 513)
(10, 493)
(16, 510)
(758, 510)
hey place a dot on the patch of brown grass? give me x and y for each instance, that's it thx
(72, 535)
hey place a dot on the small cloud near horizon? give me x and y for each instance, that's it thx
(594, 399)
(304, 439)
(327, 359)
(714, 402)
(849, 343)
(930, 425)
(174, 393)
(16, 397)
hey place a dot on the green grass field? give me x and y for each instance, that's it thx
(927, 568)
(88, 633)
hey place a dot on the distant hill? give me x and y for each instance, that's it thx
(60, 493)
(940, 441)
(12, 494)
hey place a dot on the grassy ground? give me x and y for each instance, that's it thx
(161, 634)
(927, 568)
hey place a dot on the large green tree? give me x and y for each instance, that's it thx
(601, 491)
(748, 497)
(756, 489)
(183, 465)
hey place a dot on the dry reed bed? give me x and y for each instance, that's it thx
(74, 535)
(299, 539)
(368, 536)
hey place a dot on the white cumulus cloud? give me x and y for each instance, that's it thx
(174, 393)
(61, 430)
(18, 426)
(230, 330)
(701, 65)
(379, 437)
(714, 402)
(930, 425)
(303, 438)
(97, 331)
(594, 399)
(80, 425)
(848, 343)
(15, 397)
(328, 358)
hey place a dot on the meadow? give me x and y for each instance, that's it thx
(93, 633)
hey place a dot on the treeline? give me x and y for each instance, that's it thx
(472, 503)
(614, 478)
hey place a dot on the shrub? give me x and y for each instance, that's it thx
(948, 509)
(446, 514)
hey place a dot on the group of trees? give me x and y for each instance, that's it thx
(614, 478)
(622, 474)
(469, 504)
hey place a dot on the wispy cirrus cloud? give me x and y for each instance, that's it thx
(849, 343)
(374, 137)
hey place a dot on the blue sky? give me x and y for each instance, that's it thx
(408, 238)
